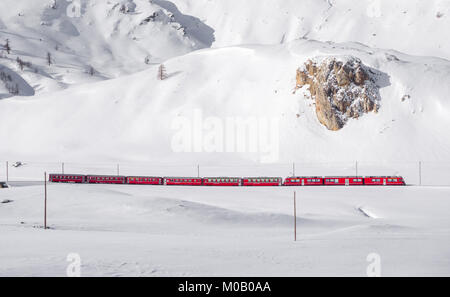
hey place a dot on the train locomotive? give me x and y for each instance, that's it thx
(231, 181)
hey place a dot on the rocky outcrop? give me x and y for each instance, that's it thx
(342, 89)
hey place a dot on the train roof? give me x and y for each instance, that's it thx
(221, 177)
(262, 177)
(66, 174)
(304, 177)
(385, 176)
(337, 176)
(103, 175)
(146, 176)
(183, 177)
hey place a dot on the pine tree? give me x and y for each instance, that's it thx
(20, 63)
(91, 71)
(162, 72)
(7, 47)
(49, 59)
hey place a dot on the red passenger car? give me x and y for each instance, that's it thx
(67, 178)
(303, 181)
(106, 179)
(343, 181)
(183, 181)
(262, 181)
(384, 181)
(144, 180)
(222, 181)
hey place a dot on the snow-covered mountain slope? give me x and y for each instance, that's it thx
(412, 26)
(138, 116)
(99, 97)
(91, 40)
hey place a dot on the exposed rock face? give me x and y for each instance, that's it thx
(341, 89)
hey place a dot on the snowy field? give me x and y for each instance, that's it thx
(121, 230)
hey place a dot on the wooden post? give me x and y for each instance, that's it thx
(420, 173)
(45, 200)
(295, 218)
(7, 172)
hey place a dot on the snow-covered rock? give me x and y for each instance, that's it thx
(342, 89)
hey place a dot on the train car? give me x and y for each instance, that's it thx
(145, 180)
(384, 181)
(67, 178)
(303, 181)
(222, 181)
(183, 181)
(343, 181)
(262, 181)
(106, 179)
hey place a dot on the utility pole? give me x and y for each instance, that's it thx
(198, 170)
(62, 167)
(45, 200)
(295, 218)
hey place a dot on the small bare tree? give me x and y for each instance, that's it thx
(20, 63)
(162, 72)
(147, 60)
(7, 47)
(91, 71)
(49, 58)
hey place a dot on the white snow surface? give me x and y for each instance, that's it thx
(126, 230)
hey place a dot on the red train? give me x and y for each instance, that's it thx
(231, 181)
(303, 181)
(183, 181)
